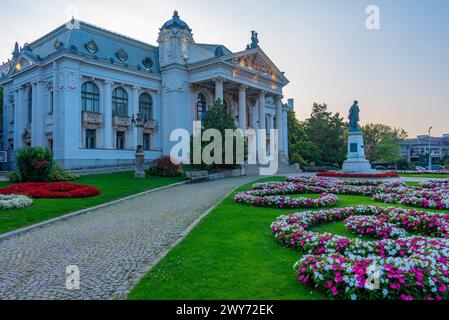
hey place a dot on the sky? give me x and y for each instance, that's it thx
(398, 73)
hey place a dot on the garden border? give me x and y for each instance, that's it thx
(46, 223)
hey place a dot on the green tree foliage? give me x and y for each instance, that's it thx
(375, 133)
(327, 131)
(217, 118)
(319, 140)
(388, 150)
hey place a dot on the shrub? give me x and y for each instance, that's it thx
(34, 164)
(403, 164)
(13, 177)
(57, 174)
(164, 167)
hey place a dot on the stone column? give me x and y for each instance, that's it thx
(38, 114)
(242, 107)
(57, 130)
(262, 110)
(135, 110)
(219, 89)
(108, 133)
(18, 114)
(280, 122)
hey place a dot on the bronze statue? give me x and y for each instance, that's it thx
(354, 117)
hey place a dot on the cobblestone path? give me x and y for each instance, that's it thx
(110, 246)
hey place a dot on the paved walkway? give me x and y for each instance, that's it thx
(110, 246)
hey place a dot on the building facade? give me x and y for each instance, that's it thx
(77, 89)
(415, 149)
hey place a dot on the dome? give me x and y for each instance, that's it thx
(176, 22)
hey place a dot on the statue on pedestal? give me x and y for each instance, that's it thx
(356, 161)
(354, 117)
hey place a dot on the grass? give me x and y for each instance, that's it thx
(113, 186)
(232, 255)
(439, 176)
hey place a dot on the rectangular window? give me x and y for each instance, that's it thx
(91, 139)
(50, 144)
(147, 142)
(120, 143)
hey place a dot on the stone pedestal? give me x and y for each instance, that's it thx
(356, 162)
(140, 163)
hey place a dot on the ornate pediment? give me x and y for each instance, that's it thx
(256, 60)
(21, 63)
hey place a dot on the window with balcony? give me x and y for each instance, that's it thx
(90, 97)
(120, 102)
(146, 106)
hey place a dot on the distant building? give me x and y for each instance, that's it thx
(413, 149)
(77, 88)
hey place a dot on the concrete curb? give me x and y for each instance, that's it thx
(46, 223)
(141, 274)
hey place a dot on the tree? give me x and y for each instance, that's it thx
(388, 150)
(319, 140)
(326, 131)
(375, 132)
(217, 118)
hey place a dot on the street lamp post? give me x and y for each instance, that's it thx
(139, 123)
(430, 151)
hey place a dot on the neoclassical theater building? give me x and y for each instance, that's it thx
(77, 89)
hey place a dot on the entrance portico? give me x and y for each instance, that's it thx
(249, 86)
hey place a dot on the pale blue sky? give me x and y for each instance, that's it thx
(400, 74)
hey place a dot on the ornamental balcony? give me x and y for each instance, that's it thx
(151, 124)
(92, 118)
(121, 121)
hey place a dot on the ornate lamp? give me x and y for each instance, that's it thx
(139, 122)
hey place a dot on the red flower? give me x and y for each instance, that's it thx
(358, 175)
(39, 190)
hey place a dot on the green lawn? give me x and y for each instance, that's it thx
(113, 186)
(231, 255)
(439, 176)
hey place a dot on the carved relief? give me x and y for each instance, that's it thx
(255, 62)
(61, 80)
(72, 82)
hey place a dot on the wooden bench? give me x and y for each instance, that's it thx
(198, 176)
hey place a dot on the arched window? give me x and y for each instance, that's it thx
(146, 106)
(30, 106)
(120, 102)
(90, 97)
(201, 107)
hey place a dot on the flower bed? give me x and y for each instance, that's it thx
(405, 268)
(14, 202)
(51, 190)
(422, 172)
(374, 227)
(434, 195)
(383, 175)
(262, 198)
(435, 184)
(428, 198)
(329, 185)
